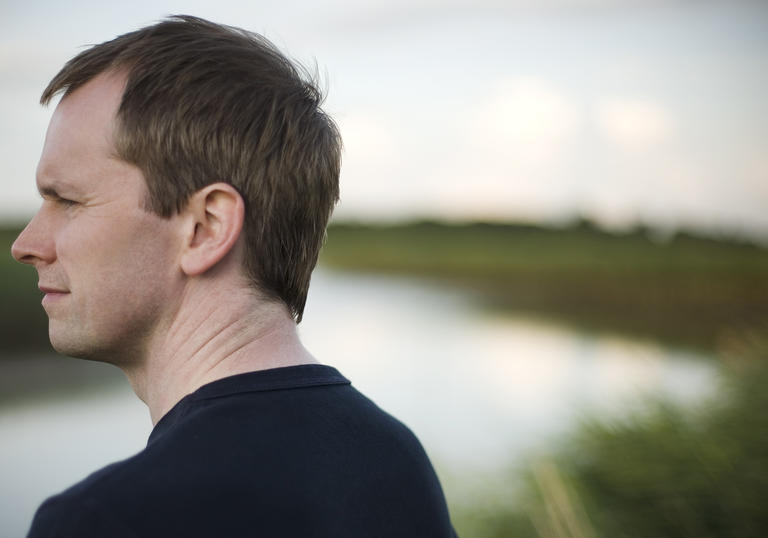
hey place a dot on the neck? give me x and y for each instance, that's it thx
(209, 339)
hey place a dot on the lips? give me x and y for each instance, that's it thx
(51, 289)
(52, 294)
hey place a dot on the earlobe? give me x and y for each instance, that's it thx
(214, 216)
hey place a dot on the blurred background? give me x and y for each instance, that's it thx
(550, 259)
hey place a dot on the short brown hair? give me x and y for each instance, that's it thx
(205, 103)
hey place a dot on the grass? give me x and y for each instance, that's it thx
(689, 291)
(670, 471)
(23, 323)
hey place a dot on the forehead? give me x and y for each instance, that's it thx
(80, 135)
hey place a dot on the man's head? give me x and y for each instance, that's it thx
(204, 104)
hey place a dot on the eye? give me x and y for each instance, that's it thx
(65, 202)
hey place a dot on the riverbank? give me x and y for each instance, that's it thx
(23, 324)
(480, 391)
(33, 377)
(684, 290)
(663, 472)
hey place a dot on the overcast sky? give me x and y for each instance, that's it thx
(624, 111)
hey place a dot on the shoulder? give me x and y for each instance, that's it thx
(321, 461)
(294, 425)
(79, 511)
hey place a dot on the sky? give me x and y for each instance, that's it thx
(624, 111)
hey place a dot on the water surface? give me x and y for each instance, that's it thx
(479, 390)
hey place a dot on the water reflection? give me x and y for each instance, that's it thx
(479, 390)
(48, 445)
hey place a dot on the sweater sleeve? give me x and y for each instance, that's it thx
(63, 516)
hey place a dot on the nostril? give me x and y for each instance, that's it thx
(21, 251)
(16, 251)
(35, 243)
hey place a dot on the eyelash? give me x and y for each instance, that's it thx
(65, 202)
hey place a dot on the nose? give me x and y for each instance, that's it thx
(35, 243)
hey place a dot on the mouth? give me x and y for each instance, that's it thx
(52, 294)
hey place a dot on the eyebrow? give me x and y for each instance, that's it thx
(54, 187)
(54, 192)
(49, 191)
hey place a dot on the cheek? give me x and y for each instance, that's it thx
(119, 253)
(83, 253)
(148, 266)
(124, 280)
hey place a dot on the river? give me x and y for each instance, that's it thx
(480, 390)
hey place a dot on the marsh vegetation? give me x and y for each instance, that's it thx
(667, 469)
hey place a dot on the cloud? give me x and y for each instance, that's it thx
(370, 162)
(526, 112)
(368, 135)
(634, 123)
(518, 145)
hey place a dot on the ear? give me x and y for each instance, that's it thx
(213, 221)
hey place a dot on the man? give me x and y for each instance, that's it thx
(187, 177)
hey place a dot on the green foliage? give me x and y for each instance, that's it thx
(23, 323)
(686, 291)
(668, 472)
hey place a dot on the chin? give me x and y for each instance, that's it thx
(75, 347)
(76, 352)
